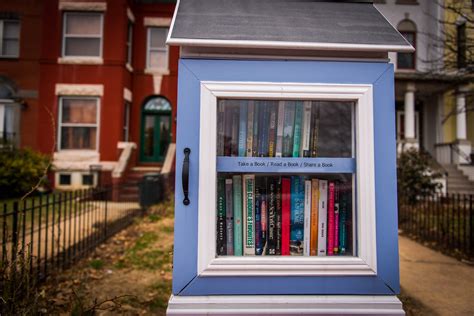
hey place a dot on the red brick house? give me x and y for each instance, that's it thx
(93, 83)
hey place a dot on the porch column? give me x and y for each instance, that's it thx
(463, 152)
(409, 117)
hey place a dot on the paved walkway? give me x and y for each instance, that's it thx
(443, 284)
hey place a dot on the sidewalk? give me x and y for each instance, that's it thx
(443, 284)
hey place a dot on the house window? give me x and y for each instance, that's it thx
(87, 179)
(82, 34)
(461, 44)
(157, 52)
(407, 60)
(129, 42)
(64, 179)
(9, 38)
(78, 123)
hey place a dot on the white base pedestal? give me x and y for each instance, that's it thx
(285, 305)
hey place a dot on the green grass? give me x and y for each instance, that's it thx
(96, 264)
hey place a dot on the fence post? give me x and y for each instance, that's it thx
(471, 227)
(15, 231)
(105, 214)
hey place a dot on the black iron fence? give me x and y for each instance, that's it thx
(442, 221)
(43, 234)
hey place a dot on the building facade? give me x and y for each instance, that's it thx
(434, 91)
(94, 85)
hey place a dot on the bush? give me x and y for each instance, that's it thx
(20, 171)
(415, 177)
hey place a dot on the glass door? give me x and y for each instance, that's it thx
(155, 137)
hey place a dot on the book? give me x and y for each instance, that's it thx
(228, 119)
(279, 133)
(237, 204)
(322, 217)
(313, 248)
(229, 218)
(285, 215)
(264, 217)
(297, 216)
(307, 218)
(258, 214)
(263, 134)
(235, 132)
(220, 128)
(250, 116)
(221, 218)
(343, 210)
(272, 216)
(289, 120)
(243, 128)
(336, 216)
(314, 135)
(330, 246)
(272, 129)
(306, 130)
(256, 118)
(297, 131)
(278, 219)
(249, 213)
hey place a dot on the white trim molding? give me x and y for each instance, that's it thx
(68, 5)
(64, 89)
(127, 95)
(160, 22)
(365, 261)
(76, 60)
(130, 15)
(285, 305)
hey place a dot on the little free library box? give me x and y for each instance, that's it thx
(286, 161)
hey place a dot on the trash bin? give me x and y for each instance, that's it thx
(151, 189)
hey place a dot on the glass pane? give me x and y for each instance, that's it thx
(83, 23)
(300, 215)
(79, 111)
(157, 59)
(10, 47)
(11, 30)
(78, 137)
(406, 60)
(82, 47)
(164, 122)
(257, 128)
(158, 37)
(149, 136)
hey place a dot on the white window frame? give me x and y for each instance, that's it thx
(129, 44)
(64, 35)
(2, 22)
(365, 261)
(165, 68)
(96, 125)
(400, 116)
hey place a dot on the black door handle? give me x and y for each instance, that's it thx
(185, 176)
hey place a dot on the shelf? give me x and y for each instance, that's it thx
(285, 165)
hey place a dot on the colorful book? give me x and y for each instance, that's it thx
(278, 205)
(336, 216)
(220, 128)
(297, 131)
(272, 216)
(314, 129)
(258, 216)
(249, 214)
(307, 218)
(313, 248)
(330, 246)
(250, 116)
(237, 204)
(285, 215)
(306, 130)
(264, 217)
(297, 216)
(288, 128)
(235, 132)
(322, 217)
(343, 210)
(256, 119)
(228, 119)
(272, 129)
(263, 135)
(279, 132)
(229, 218)
(221, 218)
(243, 128)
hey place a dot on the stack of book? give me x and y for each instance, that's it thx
(248, 128)
(288, 215)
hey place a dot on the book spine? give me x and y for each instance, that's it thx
(322, 218)
(243, 129)
(220, 129)
(297, 131)
(278, 216)
(235, 132)
(228, 112)
(330, 246)
(305, 152)
(249, 212)
(221, 218)
(307, 217)
(289, 121)
(272, 218)
(315, 129)
(256, 119)
(279, 133)
(237, 204)
(250, 116)
(258, 214)
(297, 216)
(272, 130)
(264, 217)
(263, 140)
(336, 216)
(229, 217)
(314, 217)
(285, 215)
(342, 218)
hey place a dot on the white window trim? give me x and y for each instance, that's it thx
(156, 22)
(96, 125)
(365, 263)
(157, 70)
(399, 125)
(129, 45)
(80, 58)
(2, 21)
(81, 6)
(90, 90)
